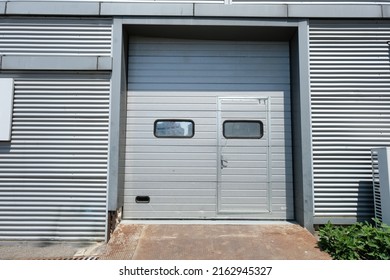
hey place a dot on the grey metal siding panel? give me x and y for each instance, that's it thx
(53, 7)
(2, 8)
(198, 8)
(335, 11)
(53, 172)
(55, 38)
(148, 9)
(301, 124)
(22, 62)
(182, 79)
(350, 85)
(221, 10)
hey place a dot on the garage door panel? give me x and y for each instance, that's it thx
(234, 193)
(209, 87)
(203, 128)
(168, 178)
(223, 68)
(183, 99)
(193, 156)
(163, 142)
(244, 178)
(223, 71)
(282, 178)
(206, 61)
(167, 114)
(250, 172)
(199, 134)
(274, 115)
(169, 163)
(208, 186)
(189, 199)
(198, 47)
(168, 214)
(204, 78)
(179, 208)
(140, 124)
(183, 79)
(172, 170)
(172, 107)
(176, 192)
(246, 164)
(243, 201)
(168, 149)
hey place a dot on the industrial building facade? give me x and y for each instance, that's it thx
(188, 110)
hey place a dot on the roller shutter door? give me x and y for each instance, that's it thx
(53, 172)
(183, 79)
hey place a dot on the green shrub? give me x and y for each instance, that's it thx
(360, 241)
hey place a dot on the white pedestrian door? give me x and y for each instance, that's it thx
(243, 155)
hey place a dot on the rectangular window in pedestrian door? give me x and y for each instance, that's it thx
(242, 129)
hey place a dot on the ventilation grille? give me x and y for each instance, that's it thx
(55, 39)
(376, 185)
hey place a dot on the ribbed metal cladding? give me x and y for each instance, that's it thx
(350, 97)
(54, 38)
(53, 173)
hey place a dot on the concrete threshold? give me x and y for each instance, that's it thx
(206, 222)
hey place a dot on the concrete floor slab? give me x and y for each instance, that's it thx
(212, 242)
(49, 250)
(182, 242)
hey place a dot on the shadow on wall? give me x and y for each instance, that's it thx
(365, 201)
(5, 147)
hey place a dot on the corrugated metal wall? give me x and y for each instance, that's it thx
(350, 96)
(178, 78)
(53, 37)
(53, 173)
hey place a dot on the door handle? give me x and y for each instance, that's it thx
(223, 163)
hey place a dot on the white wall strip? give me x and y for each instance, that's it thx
(6, 98)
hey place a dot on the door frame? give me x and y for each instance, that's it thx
(300, 100)
(219, 154)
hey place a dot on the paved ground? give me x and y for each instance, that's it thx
(183, 242)
(208, 242)
(49, 250)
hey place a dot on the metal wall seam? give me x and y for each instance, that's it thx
(53, 172)
(350, 98)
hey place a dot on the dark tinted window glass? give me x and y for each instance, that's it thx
(242, 129)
